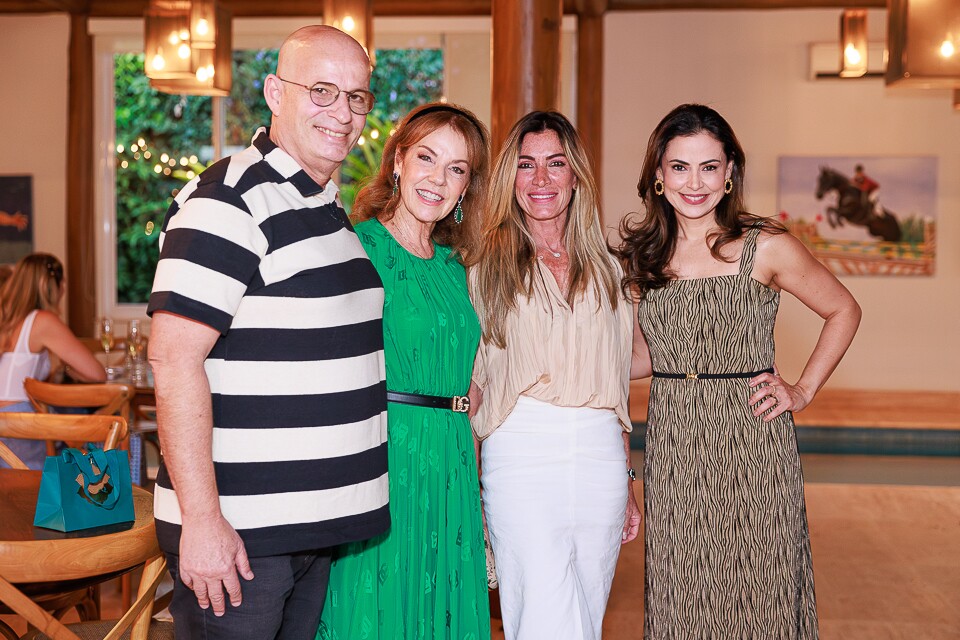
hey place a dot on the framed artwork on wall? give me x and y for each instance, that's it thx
(16, 218)
(862, 215)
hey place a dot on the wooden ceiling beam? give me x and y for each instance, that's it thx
(283, 8)
(253, 8)
(43, 6)
(706, 5)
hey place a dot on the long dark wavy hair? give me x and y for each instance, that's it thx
(378, 199)
(648, 244)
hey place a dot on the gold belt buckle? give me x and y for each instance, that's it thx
(693, 376)
(460, 404)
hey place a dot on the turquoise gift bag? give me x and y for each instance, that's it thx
(83, 491)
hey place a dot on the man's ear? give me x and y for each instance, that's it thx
(273, 92)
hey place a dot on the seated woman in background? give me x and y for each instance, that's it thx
(425, 578)
(30, 329)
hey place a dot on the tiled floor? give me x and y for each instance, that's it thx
(886, 550)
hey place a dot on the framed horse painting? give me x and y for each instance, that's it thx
(863, 215)
(16, 218)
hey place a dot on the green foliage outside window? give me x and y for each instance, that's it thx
(165, 124)
(180, 128)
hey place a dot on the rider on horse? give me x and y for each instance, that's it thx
(868, 189)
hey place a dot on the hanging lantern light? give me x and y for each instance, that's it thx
(923, 39)
(167, 52)
(197, 36)
(853, 43)
(203, 23)
(354, 17)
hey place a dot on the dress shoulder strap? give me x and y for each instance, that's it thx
(23, 341)
(749, 250)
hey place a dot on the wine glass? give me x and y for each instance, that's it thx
(107, 340)
(135, 343)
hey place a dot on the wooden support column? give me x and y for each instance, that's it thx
(81, 256)
(590, 80)
(526, 61)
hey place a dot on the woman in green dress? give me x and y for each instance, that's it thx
(426, 577)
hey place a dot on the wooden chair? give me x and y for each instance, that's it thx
(138, 617)
(110, 430)
(106, 399)
(103, 398)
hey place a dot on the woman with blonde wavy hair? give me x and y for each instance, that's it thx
(552, 371)
(31, 329)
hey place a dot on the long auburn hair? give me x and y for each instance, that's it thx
(377, 198)
(35, 284)
(506, 265)
(649, 243)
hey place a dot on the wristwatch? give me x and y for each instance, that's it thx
(632, 473)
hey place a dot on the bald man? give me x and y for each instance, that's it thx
(267, 352)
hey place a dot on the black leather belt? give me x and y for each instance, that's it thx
(457, 404)
(709, 376)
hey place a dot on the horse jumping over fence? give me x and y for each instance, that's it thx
(851, 207)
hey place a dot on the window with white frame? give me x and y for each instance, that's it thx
(151, 143)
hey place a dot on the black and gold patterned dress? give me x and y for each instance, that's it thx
(727, 543)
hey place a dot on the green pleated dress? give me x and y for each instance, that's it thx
(426, 577)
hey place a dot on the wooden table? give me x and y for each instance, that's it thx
(42, 562)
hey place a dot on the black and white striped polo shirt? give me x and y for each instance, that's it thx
(255, 249)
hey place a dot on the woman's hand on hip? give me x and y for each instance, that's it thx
(776, 395)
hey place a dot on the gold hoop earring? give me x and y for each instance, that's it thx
(728, 186)
(658, 187)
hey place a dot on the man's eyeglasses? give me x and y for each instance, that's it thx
(324, 94)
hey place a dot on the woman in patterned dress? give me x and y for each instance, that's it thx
(727, 544)
(426, 577)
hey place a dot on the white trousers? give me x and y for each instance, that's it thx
(554, 493)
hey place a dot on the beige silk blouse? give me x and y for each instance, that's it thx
(577, 357)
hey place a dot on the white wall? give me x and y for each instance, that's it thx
(33, 74)
(752, 66)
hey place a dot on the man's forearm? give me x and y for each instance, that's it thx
(185, 414)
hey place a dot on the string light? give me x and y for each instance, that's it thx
(166, 163)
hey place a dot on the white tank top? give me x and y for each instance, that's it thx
(21, 363)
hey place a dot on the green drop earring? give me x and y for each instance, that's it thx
(458, 212)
